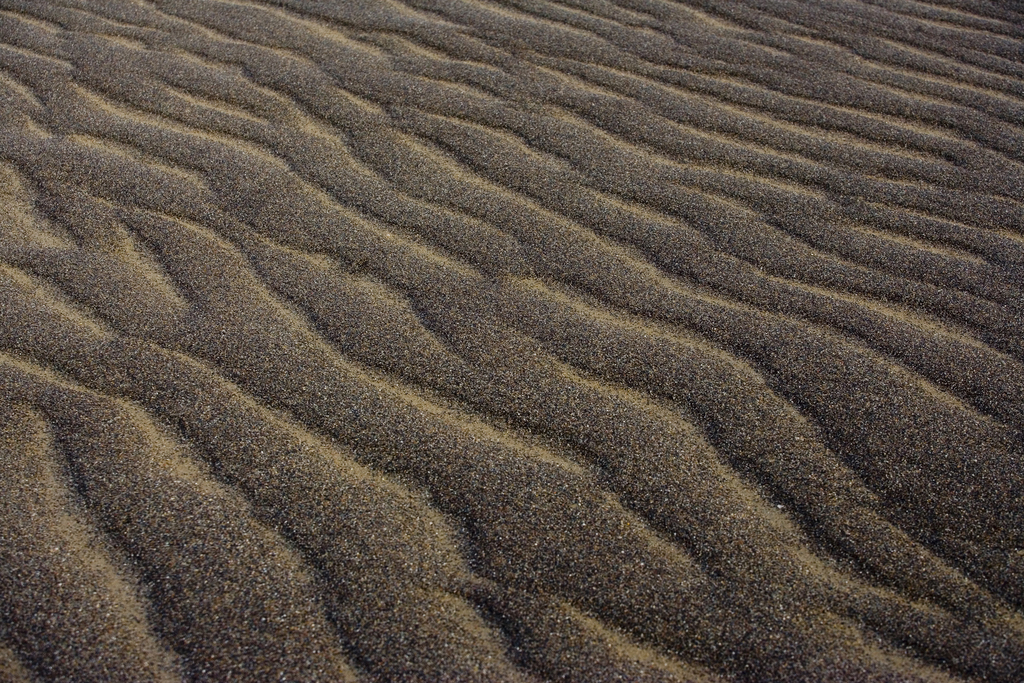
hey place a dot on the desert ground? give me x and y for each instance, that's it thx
(511, 340)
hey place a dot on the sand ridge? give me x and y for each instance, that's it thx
(467, 340)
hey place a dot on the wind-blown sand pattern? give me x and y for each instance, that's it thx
(464, 340)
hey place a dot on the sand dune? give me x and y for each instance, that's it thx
(467, 340)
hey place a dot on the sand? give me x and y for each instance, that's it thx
(531, 340)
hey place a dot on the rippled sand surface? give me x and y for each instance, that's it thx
(531, 340)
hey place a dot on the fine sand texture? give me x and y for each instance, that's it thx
(511, 340)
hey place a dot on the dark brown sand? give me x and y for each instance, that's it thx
(519, 340)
